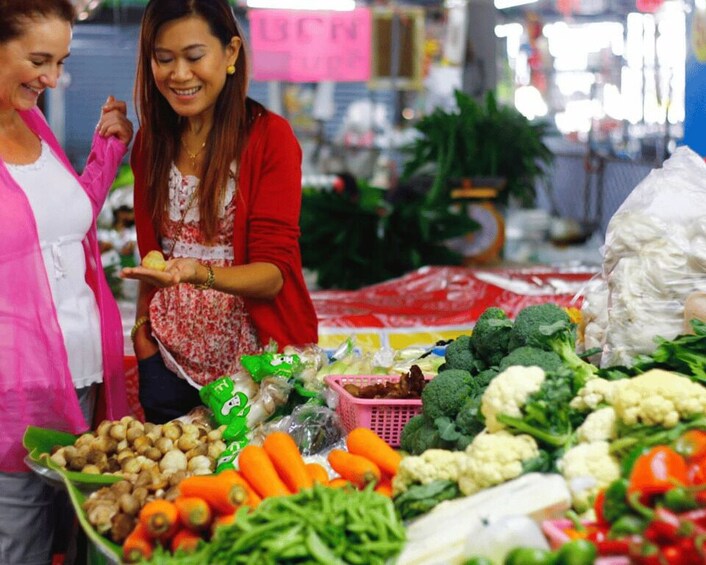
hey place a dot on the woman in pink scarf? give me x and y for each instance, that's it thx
(60, 330)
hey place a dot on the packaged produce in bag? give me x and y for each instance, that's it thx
(271, 364)
(240, 404)
(654, 257)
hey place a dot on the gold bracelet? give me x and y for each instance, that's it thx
(141, 321)
(210, 279)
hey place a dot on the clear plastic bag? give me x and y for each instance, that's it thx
(316, 429)
(654, 257)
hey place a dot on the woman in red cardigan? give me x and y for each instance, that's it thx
(218, 192)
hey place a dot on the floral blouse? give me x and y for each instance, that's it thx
(206, 331)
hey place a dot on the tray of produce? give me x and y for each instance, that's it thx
(382, 403)
(42, 444)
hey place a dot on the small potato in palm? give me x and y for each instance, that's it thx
(154, 260)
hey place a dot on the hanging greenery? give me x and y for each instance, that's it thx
(353, 239)
(479, 140)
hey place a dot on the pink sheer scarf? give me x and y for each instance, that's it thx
(35, 384)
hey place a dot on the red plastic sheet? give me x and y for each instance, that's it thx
(433, 299)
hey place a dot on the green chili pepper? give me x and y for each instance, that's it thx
(577, 552)
(680, 499)
(529, 556)
(627, 525)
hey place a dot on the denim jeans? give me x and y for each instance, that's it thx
(163, 395)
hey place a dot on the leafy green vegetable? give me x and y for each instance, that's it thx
(479, 139)
(420, 499)
(546, 414)
(356, 240)
(419, 434)
(684, 354)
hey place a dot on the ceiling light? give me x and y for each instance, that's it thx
(504, 4)
(338, 5)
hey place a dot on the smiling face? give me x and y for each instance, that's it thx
(189, 65)
(33, 62)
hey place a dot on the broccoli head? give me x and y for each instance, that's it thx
(548, 327)
(529, 356)
(419, 434)
(525, 330)
(460, 356)
(491, 335)
(446, 392)
(482, 379)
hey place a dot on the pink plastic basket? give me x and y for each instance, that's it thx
(385, 417)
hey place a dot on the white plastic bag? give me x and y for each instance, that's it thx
(654, 257)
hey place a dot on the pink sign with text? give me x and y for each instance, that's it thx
(309, 46)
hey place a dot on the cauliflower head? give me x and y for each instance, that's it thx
(596, 391)
(598, 426)
(495, 458)
(432, 465)
(588, 468)
(658, 397)
(508, 392)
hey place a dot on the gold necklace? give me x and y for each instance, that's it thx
(192, 156)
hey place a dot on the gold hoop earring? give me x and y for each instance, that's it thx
(230, 69)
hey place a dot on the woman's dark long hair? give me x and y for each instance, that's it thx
(162, 127)
(15, 13)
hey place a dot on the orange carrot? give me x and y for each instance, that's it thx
(340, 482)
(253, 499)
(257, 468)
(222, 493)
(194, 512)
(160, 518)
(287, 460)
(222, 520)
(317, 472)
(365, 442)
(185, 540)
(357, 469)
(138, 545)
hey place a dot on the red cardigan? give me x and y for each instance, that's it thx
(266, 227)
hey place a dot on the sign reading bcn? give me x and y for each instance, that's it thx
(310, 46)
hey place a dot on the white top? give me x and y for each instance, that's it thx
(63, 214)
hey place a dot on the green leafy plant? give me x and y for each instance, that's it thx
(479, 140)
(352, 240)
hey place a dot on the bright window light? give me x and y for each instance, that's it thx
(337, 5)
(503, 4)
(529, 102)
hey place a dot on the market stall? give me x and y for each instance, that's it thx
(551, 450)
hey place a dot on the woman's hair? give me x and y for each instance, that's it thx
(162, 127)
(15, 13)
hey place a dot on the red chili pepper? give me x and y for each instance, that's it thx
(598, 504)
(698, 517)
(657, 471)
(696, 472)
(612, 547)
(674, 555)
(643, 553)
(691, 445)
